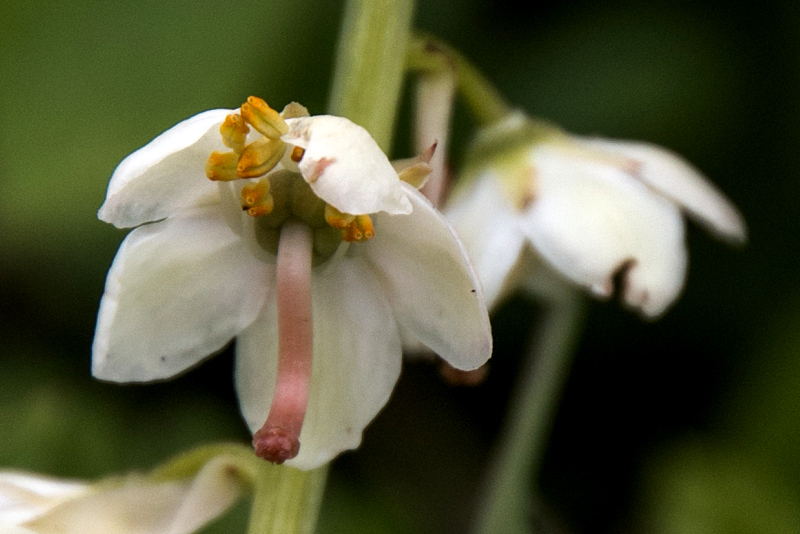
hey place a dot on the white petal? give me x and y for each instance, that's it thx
(489, 228)
(431, 285)
(167, 174)
(177, 291)
(140, 506)
(25, 496)
(345, 166)
(590, 219)
(356, 362)
(675, 178)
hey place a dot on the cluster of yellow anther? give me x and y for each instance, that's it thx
(259, 157)
(353, 227)
(250, 160)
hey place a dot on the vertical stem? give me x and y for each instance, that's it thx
(370, 64)
(289, 503)
(505, 504)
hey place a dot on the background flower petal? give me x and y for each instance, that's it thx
(25, 496)
(591, 221)
(165, 175)
(357, 359)
(141, 506)
(489, 229)
(431, 284)
(675, 178)
(345, 166)
(178, 291)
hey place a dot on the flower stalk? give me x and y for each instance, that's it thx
(505, 503)
(428, 54)
(370, 64)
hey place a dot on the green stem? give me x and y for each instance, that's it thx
(370, 64)
(506, 502)
(286, 500)
(426, 53)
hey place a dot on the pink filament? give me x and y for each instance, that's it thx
(278, 440)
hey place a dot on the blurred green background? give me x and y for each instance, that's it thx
(690, 424)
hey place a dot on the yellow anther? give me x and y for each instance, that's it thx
(416, 175)
(364, 223)
(234, 132)
(360, 229)
(415, 171)
(259, 157)
(352, 233)
(336, 218)
(297, 154)
(263, 118)
(221, 166)
(256, 198)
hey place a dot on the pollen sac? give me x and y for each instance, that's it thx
(336, 218)
(222, 166)
(260, 157)
(234, 132)
(256, 198)
(297, 154)
(360, 229)
(263, 118)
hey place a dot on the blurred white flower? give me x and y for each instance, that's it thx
(595, 210)
(135, 504)
(200, 269)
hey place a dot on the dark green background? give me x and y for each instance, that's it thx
(690, 424)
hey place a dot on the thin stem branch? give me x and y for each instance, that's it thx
(427, 53)
(506, 501)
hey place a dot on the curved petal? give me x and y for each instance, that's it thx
(430, 282)
(591, 221)
(177, 291)
(345, 166)
(25, 496)
(489, 229)
(166, 175)
(357, 358)
(141, 506)
(675, 178)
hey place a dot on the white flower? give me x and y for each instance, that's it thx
(592, 208)
(135, 504)
(198, 270)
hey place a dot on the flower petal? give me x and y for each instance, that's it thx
(177, 291)
(590, 220)
(357, 358)
(25, 496)
(431, 284)
(141, 506)
(345, 166)
(166, 175)
(675, 178)
(489, 228)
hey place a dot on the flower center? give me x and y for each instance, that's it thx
(274, 190)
